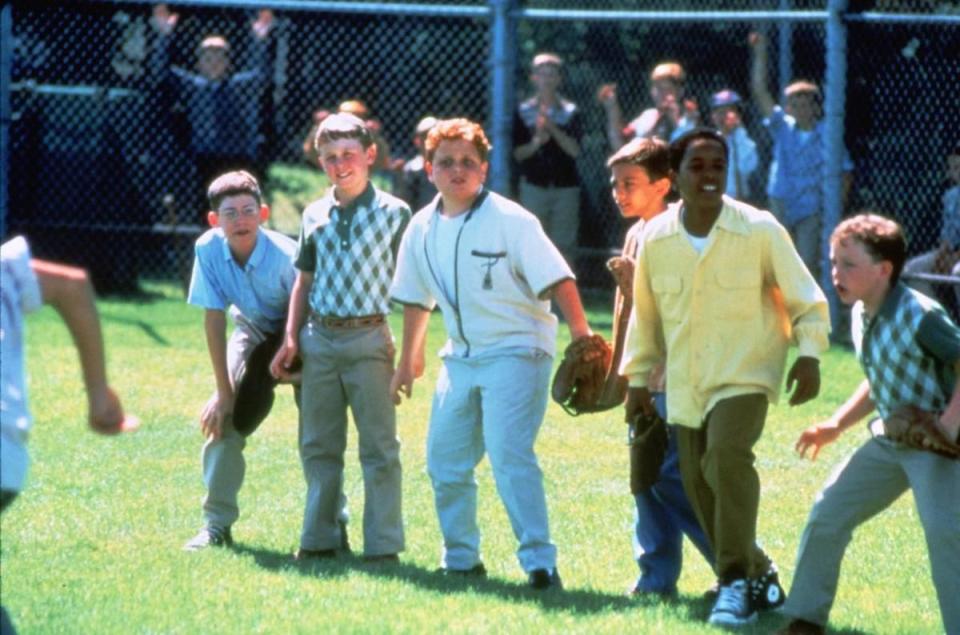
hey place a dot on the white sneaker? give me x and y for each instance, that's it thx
(733, 605)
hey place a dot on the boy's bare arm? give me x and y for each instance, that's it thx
(568, 299)
(299, 295)
(858, 406)
(220, 407)
(758, 75)
(411, 363)
(68, 290)
(607, 96)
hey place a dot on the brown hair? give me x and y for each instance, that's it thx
(341, 125)
(455, 129)
(881, 237)
(651, 154)
(232, 184)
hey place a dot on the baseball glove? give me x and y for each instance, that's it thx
(648, 447)
(917, 428)
(579, 381)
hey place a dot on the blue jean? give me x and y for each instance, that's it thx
(663, 517)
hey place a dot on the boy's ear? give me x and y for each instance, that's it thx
(372, 154)
(662, 185)
(213, 219)
(264, 213)
(428, 168)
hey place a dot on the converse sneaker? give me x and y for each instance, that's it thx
(766, 592)
(733, 605)
(210, 537)
(542, 579)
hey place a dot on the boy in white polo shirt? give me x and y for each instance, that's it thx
(488, 264)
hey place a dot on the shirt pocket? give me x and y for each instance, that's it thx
(738, 293)
(668, 291)
(489, 266)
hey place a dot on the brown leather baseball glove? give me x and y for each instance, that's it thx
(917, 428)
(579, 380)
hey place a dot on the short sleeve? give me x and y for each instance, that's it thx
(305, 258)
(535, 257)
(204, 290)
(409, 285)
(19, 279)
(939, 337)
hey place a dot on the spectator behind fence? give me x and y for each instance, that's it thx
(414, 185)
(25, 285)
(945, 259)
(222, 107)
(720, 293)
(670, 116)
(909, 350)
(798, 170)
(725, 116)
(640, 176)
(337, 324)
(546, 141)
(492, 270)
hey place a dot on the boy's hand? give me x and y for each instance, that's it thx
(402, 382)
(216, 413)
(815, 437)
(162, 20)
(607, 94)
(757, 40)
(283, 362)
(639, 400)
(106, 415)
(805, 374)
(261, 26)
(622, 269)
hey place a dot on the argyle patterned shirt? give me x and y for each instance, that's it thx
(351, 251)
(907, 351)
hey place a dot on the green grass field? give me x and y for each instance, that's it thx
(94, 543)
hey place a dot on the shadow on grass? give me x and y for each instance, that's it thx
(578, 601)
(147, 329)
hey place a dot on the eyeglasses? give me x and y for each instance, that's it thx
(232, 214)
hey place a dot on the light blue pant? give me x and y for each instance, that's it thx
(493, 404)
(663, 517)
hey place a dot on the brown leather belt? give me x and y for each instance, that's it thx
(335, 323)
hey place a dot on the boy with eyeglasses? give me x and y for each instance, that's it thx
(240, 265)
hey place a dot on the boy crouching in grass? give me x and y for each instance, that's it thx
(489, 265)
(243, 266)
(910, 352)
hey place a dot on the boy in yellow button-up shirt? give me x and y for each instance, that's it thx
(720, 292)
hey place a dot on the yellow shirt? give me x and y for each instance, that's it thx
(725, 317)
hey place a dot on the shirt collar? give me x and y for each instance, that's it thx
(730, 218)
(477, 202)
(888, 308)
(365, 200)
(256, 257)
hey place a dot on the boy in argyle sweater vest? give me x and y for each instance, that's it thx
(337, 325)
(910, 352)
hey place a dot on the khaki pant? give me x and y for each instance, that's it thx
(718, 473)
(349, 368)
(875, 476)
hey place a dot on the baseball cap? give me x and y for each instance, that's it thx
(725, 97)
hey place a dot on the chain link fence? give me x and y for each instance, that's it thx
(119, 112)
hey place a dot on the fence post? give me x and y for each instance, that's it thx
(835, 109)
(785, 50)
(6, 112)
(503, 61)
